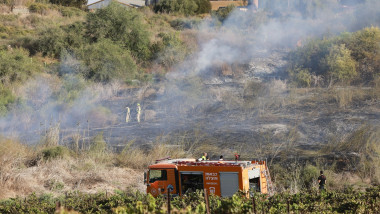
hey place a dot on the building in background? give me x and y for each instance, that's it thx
(92, 5)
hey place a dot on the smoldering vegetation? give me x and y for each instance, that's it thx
(226, 88)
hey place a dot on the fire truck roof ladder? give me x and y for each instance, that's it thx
(269, 180)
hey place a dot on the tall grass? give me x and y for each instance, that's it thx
(139, 159)
(364, 145)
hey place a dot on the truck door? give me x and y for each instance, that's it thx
(159, 180)
(191, 181)
(229, 183)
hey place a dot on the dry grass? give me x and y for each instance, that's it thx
(364, 144)
(22, 172)
(65, 175)
(25, 169)
(344, 180)
(137, 158)
(344, 97)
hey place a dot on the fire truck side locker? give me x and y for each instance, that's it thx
(229, 183)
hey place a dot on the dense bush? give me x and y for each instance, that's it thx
(340, 64)
(52, 41)
(54, 152)
(16, 65)
(365, 50)
(204, 6)
(349, 57)
(181, 24)
(122, 25)
(186, 7)
(223, 13)
(106, 60)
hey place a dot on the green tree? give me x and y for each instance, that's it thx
(106, 60)
(122, 25)
(301, 76)
(340, 64)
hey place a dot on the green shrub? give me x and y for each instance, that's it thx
(309, 173)
(341, 58)
(204, 6)
(98, 144)
(6, 99)
(365, 50)
(74, 37)
(16, 65)
(70, 11)
(71, 89)
(50, 42)
(106, 61)
(301, 77)
(122, 25)
(38, 8)
(340, 64)
(53, 41)
(223, 13)
(181, 24)
(54, 152)
(185, 7)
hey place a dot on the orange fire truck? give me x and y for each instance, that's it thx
(222, 178)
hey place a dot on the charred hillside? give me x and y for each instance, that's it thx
(249, 109)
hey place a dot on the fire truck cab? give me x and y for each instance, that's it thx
(222, 178)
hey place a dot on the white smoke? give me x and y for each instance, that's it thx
(188, 99)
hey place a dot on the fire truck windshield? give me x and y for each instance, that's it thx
(157, 175)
